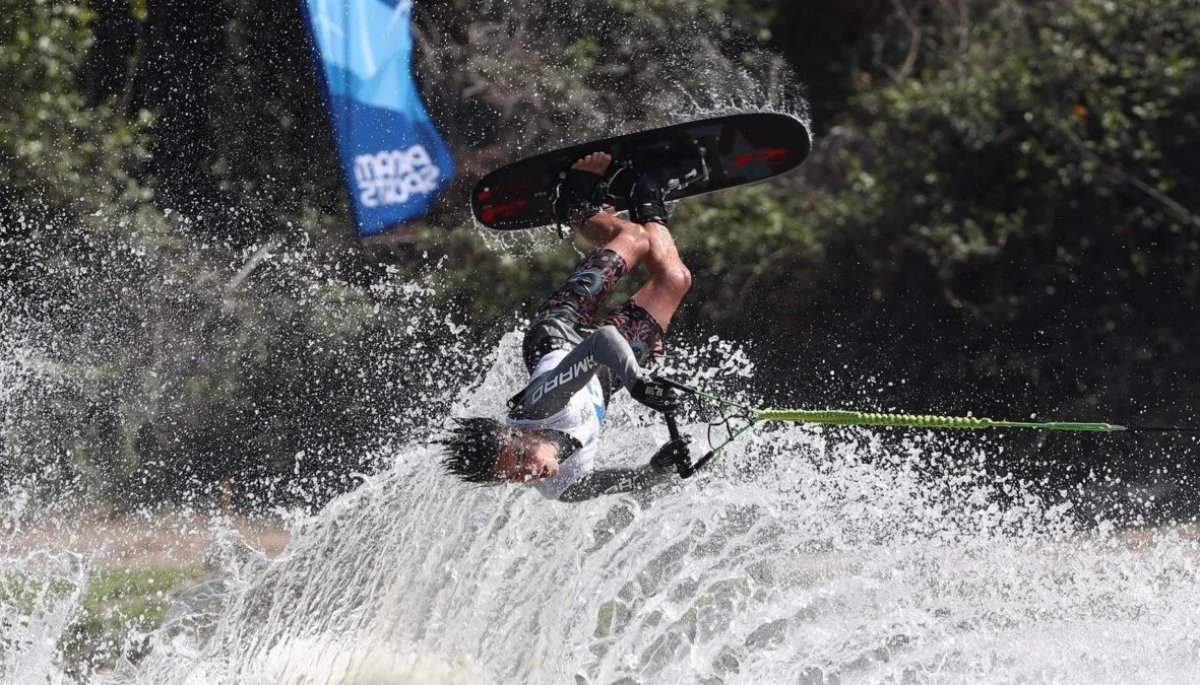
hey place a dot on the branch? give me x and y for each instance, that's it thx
(261, 255)
(1178, 209)
(914, 45)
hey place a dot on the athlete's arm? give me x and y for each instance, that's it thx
(613, 481)
(550, 391)
(669, 460)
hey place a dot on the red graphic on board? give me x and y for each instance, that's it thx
(505, 209)
(503, 189)
(771, 155)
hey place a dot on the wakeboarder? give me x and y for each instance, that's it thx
(551, 433)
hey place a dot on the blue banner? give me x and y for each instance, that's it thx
(394, 160)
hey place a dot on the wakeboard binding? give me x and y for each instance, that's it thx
(659, 173)
(578, 196)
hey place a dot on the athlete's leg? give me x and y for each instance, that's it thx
(643, 319)
(668, 277)
(621, 244)
(605, 230)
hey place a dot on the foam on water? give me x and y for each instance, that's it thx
(802, 557)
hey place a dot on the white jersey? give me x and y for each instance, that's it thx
(580, 418)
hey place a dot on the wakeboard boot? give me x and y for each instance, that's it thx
(658, 174)
(578, 197)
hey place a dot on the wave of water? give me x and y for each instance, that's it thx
(804, 556)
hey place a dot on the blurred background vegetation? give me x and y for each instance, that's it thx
(1000, 216)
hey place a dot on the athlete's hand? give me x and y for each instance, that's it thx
(655, 394)
(673, 456)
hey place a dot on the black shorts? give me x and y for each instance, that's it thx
(570, 314)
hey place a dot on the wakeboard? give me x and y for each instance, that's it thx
(734, 150)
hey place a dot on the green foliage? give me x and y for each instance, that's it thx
(56, 153)
(1034, 187)
(1041, 172)
(120, 606)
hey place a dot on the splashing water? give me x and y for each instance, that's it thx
(802, 557)
(40, 594)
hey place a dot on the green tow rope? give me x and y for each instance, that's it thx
(837, 417)
(834, 417)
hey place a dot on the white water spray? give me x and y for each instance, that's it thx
(799, 558)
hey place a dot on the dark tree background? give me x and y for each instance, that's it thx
(1000, 216)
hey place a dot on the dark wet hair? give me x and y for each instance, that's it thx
(472, 449)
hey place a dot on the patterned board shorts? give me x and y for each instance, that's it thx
(570, 313)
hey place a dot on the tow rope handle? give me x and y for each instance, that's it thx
(687, 469)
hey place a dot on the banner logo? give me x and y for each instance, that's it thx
(393, 177)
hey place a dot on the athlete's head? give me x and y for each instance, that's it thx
(483, 450)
